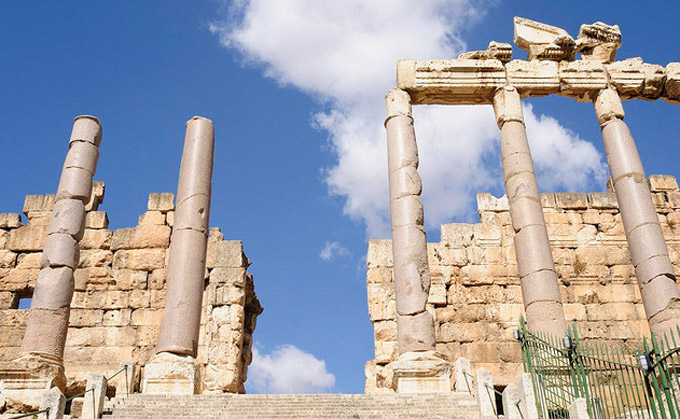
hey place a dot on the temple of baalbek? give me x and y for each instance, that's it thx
(168, 307)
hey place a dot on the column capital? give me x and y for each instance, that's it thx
(608, 106)
(398, 103)
(507, 105)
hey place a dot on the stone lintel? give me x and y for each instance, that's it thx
(473, 81)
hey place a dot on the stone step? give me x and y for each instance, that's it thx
(291, 406)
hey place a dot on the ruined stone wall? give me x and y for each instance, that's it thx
(475, 294)
(120, 293)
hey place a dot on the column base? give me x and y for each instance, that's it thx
(421, 372)
(169, 373)
(24, 380)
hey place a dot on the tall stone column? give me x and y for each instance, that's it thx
(418, 369)
(646, 242)
(538, 279)
(47, 325)
(174, 368)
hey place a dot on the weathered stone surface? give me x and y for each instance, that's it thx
(10, 220)
(144, 236)
(162, 202)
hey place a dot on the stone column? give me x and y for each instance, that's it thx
(173, 370)
(538, 279)
(646, 242)
(47, 325)
(419, 368)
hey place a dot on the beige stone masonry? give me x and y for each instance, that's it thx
(119, 296)
(477, 265)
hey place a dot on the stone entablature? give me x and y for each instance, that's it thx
(475, 293)
(119, 293)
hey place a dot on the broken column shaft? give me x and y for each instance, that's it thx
(415, 325)
(48, 317)
(538, 279)
(648, 250)
(187, 255)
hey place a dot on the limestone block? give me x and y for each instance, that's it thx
(385, 330)
(18, 279)
(225, 254)
(146, 236)
(152, 218)
(129, 279)
(120, 317)
(146, 317)
(157, 278)
(92, 278)
(60, 250)
(663, 183)
(96, 196)
(381, 304)
(488, 202)
(487, 235)
(235, 277)
(170, 218)
(627, 77)
(10, 220)
(571, 201)
(582, 79)
(85, 317)
(462, 81)
(463, 332)
(6, 300)
(379, 253)
(8, 259)
(96, 220)
(456, 235)
(38, 203)
(96, 239)
(139, 259)
(27, 238)
(162, 202)
(533, 78)
(673, 81)
(655, 80)
(221, 294)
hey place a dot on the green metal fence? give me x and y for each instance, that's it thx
(616, 381)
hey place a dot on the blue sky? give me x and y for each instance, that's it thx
(295, 88)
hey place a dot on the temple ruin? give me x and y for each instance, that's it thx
(168, 309)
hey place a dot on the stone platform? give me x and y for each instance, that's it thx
(271, 406)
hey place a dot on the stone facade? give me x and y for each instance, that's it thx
(475, 294)
(119, 293)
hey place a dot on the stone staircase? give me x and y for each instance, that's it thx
(305, 406)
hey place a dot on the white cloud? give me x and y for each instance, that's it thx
(331, 250)
(288, 369)
(344, 54)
